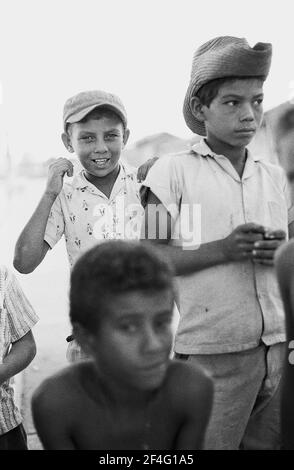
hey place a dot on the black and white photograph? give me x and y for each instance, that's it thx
(146, 225)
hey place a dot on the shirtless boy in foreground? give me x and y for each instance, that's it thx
(130, 395)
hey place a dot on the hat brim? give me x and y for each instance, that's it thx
(77, 117)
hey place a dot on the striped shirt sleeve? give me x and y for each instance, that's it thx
(20, 313)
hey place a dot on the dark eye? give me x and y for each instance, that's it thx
(111, 136)
(231, 103)
(128, 327)
(88, 138)
(163, 322)
(258, 102)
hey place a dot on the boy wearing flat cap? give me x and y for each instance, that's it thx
(231, 314)
(101, 202)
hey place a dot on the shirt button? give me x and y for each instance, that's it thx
(267, 383)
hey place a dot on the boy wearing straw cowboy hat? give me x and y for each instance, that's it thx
(231, 315)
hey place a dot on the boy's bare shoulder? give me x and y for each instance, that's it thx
(184, 372)
(62, 388)
(284, 261)
(285, 251)
(188, 385)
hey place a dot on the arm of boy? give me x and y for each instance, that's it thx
(21, 354)
(144, 169)
(237, 246)
(193, 392)
(31, 247)
(284, 262)
(52, 425)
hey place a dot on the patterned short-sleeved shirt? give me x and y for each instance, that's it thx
(86, 216)
(17, 317)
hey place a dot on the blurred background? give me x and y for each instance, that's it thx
(140, 50)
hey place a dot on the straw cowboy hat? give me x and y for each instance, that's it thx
(222, 57)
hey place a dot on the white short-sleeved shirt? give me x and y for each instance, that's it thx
(233, 306)
(85, 216)
(17, 317)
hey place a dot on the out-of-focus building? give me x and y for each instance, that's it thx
(5, 160)
(155, 145)
(31, 168)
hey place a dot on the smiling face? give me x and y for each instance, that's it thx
(234, 115)
(98, 144)
(133, 342)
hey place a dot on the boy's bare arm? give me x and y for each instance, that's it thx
(284, 266)
(291, 230)
(284, 262)
(237, 246)
(21, 354)
(144, 169)
(52, 426)
(194, 404)
(31, 247)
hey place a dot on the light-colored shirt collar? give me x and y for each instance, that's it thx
(80, 181)
(201, 148)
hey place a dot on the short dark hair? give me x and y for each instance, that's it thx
(113, 268)
(209, 90)
(99, 113)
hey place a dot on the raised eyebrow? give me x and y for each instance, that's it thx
(240, 97)
(165, 312)
(112, 130)
(86, 133)
(134, 315)
(125, 317)
(232, 97)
